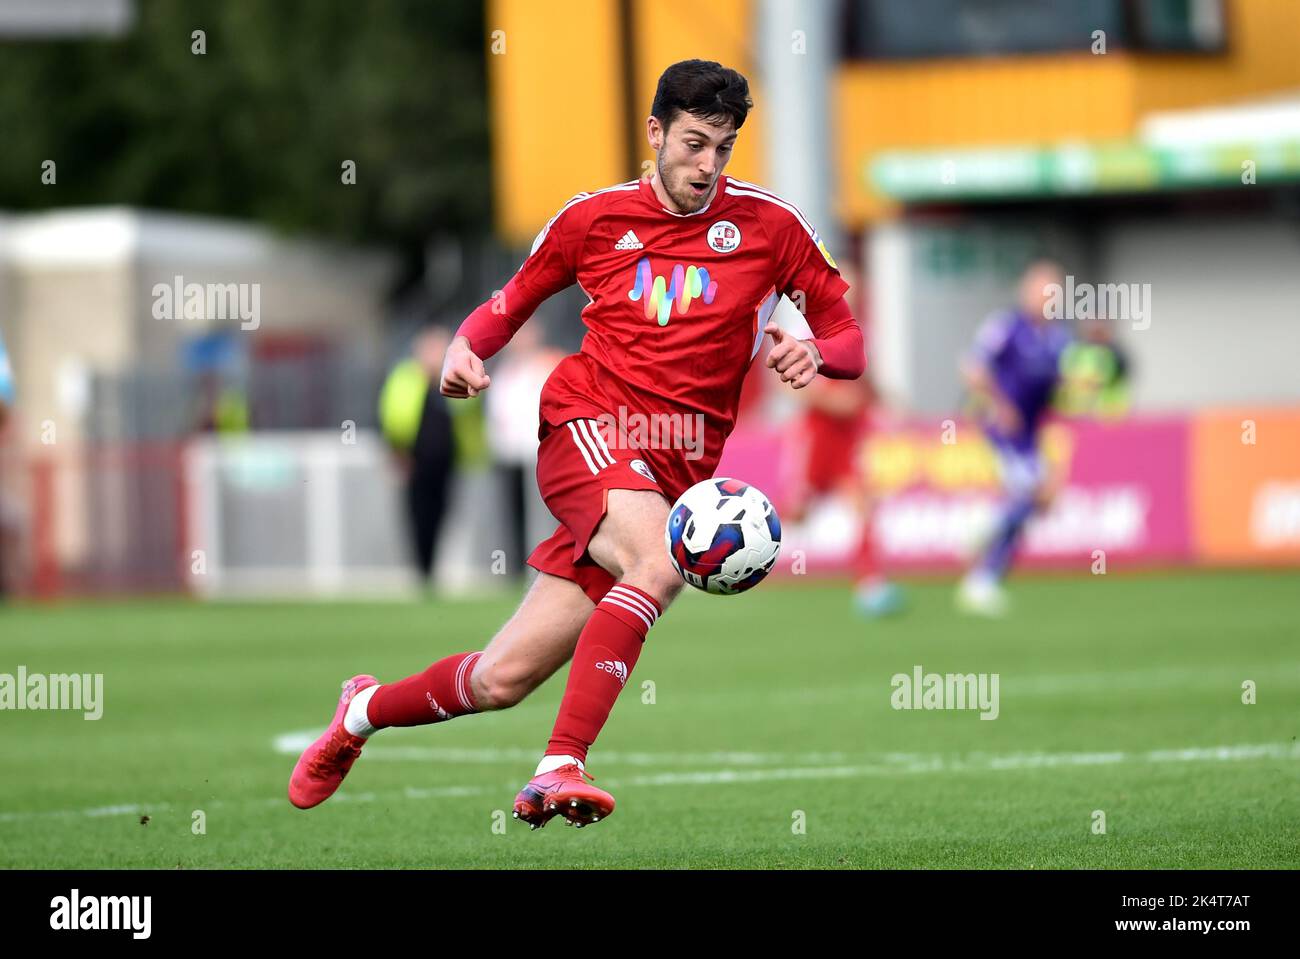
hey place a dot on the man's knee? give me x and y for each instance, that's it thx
(656, 576)
(630, 543)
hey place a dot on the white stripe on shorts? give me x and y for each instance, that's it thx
(596, 444)
(577, 441)
(600, 438)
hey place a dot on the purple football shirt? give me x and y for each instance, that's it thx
(1024, 359)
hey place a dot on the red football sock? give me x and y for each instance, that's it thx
(439, 693)
(865, 566)
(607, 651)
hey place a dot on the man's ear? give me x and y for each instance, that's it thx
(654, 133)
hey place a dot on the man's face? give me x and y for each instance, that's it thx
(690, 156)
(1040, 284)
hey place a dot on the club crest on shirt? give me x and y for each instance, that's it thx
(724, 237)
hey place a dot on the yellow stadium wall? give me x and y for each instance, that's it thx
(721, 30)
(974, 102)
(556, 107)
(559, 123)
(1263, 56)
(931, 103)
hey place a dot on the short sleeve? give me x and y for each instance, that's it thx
(991, 338)
(809, 268)
(552, 263)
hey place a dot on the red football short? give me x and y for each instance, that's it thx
(576, 469)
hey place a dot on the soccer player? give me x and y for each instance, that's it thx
(683, 270)
(826, 457)
(1013, 372)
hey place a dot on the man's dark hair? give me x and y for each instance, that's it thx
(704, 89)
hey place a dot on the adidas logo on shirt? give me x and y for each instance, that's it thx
(616, 668)
(629, 242)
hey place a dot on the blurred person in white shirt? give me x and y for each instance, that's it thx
(9, 513)
(512, 424)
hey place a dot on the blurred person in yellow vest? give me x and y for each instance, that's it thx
(230, 413)
(418, 426)
(1094, 373)
(221, 407)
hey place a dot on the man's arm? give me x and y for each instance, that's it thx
(550, 267)
(490, 327)
(977, 373)
(809, 276)
(837, 338)
(836, 350)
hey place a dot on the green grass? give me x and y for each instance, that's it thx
(195, 695)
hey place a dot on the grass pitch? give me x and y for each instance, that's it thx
(770, 740)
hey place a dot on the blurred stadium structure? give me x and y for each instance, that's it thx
(940, 146)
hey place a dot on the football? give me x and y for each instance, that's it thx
(723, 536)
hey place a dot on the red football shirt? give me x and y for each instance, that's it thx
(678, 304)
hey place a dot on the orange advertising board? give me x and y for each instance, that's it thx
(1245, 481)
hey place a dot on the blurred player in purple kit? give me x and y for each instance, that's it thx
(1013, 371)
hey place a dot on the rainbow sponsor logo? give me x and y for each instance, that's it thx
(660, 296)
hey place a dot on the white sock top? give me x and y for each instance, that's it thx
(549, 763)
(355, 719)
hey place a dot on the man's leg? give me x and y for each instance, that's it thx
(423, 527)
(532, 645)
(1016, 510)
(536, 641)
(1022, 477)
(874, 594)
(629, 545)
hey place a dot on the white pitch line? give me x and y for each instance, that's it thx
(293, 743)
(1039, 686)
(893, 764)
(886, 764)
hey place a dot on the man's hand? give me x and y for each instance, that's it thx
(1006, 417)
(1000, 411)
(462, 371)
(796, 360)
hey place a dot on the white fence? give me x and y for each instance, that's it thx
(282, 514)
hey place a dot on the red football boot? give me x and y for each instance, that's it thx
(325, 762)
(562, 792)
